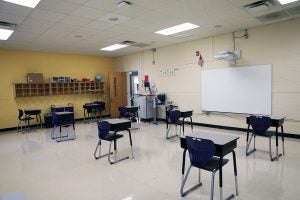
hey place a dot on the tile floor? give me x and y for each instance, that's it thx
(34, 167)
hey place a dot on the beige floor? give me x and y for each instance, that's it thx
(34, 167)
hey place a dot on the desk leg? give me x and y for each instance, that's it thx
(277, 154)
(235, 173)
(221, 178)
(192, 123)
(183, 126)
(130, 139)
(40, 120)
(282, 137)
(84, 115)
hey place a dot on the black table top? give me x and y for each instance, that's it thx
(218, 139)
(132, 108)
(32, 111)
(117, 124)
(224, 143)
(276, 121)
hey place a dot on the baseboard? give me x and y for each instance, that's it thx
(230, 128)
(34, 125)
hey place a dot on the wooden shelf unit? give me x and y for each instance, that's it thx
(49, 89)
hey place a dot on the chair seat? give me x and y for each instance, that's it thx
(266, 134)
(213, 164)
(112, 136)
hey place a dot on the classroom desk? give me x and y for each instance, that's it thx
(276, 122)
(184, 114)
(133, 112)
(225, 144)
(36, 112)
(64, 119)
(92, 108)
(118, 125)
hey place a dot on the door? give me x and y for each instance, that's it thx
(118, 92)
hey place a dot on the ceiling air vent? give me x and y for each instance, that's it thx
(260, 5)
(273, 16)
(128, 42)
(141, 45)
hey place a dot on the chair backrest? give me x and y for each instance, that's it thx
(161, 98)
(69, 108)
(260, 124)
(200, 150)
(66, 119)
(54, 119)
(103, 129)
(123, 111)
(174, 116)
(21, 113)
(101, 107)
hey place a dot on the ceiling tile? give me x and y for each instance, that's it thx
(58, 6)
(86, 12)
(79, 21)
(46, 15)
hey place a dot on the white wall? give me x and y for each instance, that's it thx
(277, 44)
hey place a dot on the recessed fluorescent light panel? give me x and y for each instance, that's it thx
(177, 29)
(5, 33)
(114, 47)
(27, 3)
(286, 1)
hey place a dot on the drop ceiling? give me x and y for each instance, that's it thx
(85, 26)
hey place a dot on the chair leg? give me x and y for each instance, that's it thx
(183, 193)
(99, 155)
(18, 127)
(115, 161)
(212, 185)
(248, 145)
(168, 131)
(270, 151)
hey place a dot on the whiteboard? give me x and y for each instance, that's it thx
(246, 89)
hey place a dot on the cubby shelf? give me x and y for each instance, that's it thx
(49, 89)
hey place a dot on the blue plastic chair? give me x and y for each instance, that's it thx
(260, 126)
(123, 112)
(104, 133)
(201, 153)
(174, 116)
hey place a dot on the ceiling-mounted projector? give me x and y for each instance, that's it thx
(230, 56)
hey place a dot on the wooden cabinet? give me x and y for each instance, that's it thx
(47, 89)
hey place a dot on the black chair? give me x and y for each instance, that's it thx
(174, 116)
(69, 108)
(104, 133)
(201, 153)
(23, 120)
(260, 126)
(123, 112)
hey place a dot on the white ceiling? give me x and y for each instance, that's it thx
(80, 26)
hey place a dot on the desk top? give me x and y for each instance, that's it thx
(64, 113)
(117, 121)
(132, 108)
(218, 139)
(276, 121)
(32, 110)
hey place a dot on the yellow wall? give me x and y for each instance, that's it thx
(277, 44)
(14, 65)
